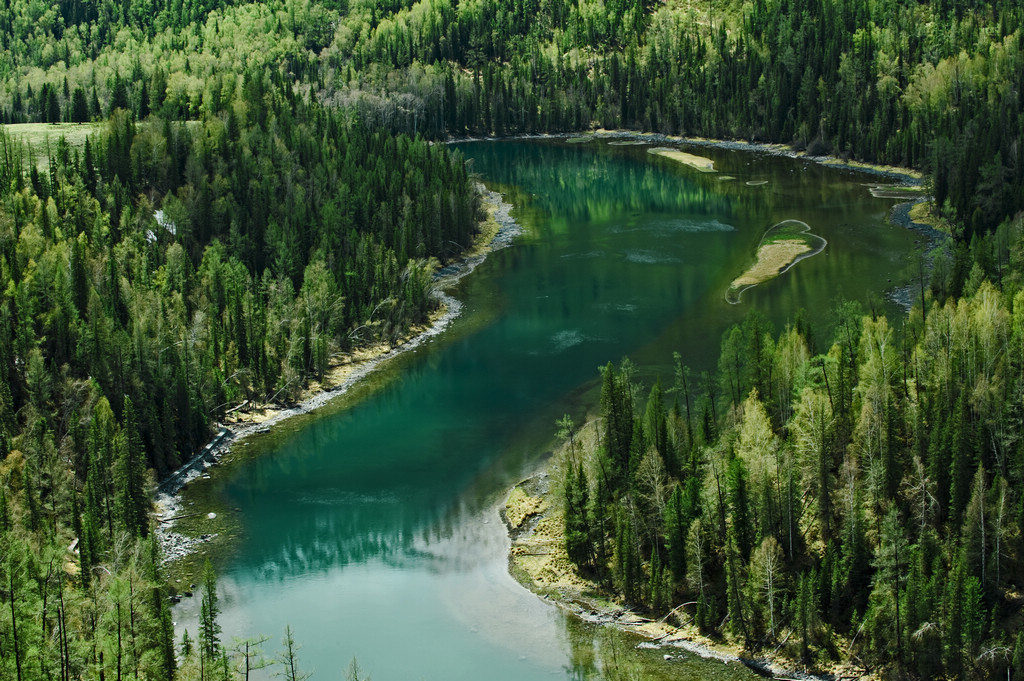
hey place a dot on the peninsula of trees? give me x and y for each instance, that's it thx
(868, 487)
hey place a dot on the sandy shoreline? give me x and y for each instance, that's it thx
(498, 230)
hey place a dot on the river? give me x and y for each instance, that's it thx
(371, 526)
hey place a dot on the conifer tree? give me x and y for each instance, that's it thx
(804, 614)
(130, 496)
(628, 574)
(678, 516)
(655, 425)
(79, 107)
(577, 535)
(209, 628)
(739, 508)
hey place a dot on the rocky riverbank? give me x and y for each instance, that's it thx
(916, 216)
(907, 177)
(498, 230)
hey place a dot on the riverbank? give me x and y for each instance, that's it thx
(177, 531)
(538, 560)
(916, 213)
(906, 177)
(919, 216)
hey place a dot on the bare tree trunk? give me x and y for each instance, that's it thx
(131, 627)
(43, 668)
(14, 620)
(984, 573)
(999, 528)
(117, 608)
(62, 631)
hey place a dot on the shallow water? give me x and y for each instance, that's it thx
(371, 527)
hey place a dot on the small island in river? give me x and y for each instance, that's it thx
(704, 165)
(781, 247)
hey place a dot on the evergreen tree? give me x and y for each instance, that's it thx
(628, 572)
(79, 106)
(739, 509)
(678, 516)
(130, 499)
(209, 628)
(577, 536)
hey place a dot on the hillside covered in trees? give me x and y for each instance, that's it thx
(283, 236)
(868, 487)
(935, 85)
(262, 195)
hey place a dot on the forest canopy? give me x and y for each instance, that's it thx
(933, 85)
(164, 273)
(851, 501)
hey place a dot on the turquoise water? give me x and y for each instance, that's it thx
(371, 527)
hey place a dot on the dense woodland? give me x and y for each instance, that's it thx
(261, 196)
(284, 235)
(937, 85)
(871, 486)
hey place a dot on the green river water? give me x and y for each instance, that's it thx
(371, 526)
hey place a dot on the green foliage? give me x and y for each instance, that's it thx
(151, 279)
(833, 522)
(577, 533)
(260, 197)
(209, 629)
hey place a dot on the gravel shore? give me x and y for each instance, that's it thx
(168, 504)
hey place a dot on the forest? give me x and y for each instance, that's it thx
(265, 192)
(867, 487)
(163, 274)
(932, 85)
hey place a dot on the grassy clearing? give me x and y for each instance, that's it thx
(782, 246)
(41, 138)
(489, 228)
(704, 165)
(897, 191)
(520, 507)
(580, 139)
(771, 260)
(925, 213)
(787, 230)
(874, 167)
